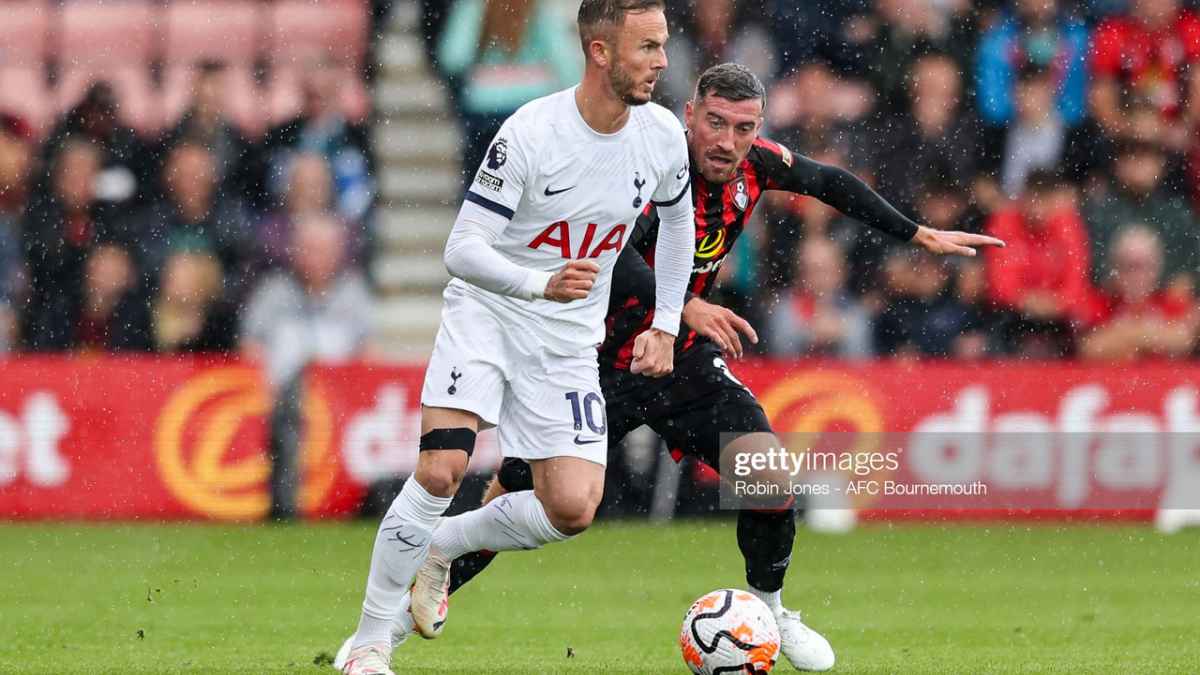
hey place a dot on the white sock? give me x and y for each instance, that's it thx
(400, 547)
(510, 522)
(404, 620)
(774, 599)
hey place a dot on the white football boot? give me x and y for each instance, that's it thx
(803, 646)
(373, 659)
(431, 594)
(402, 627)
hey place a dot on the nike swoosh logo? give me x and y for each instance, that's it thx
(579, 441)
(551, 193)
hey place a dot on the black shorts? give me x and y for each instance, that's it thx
(690, 409)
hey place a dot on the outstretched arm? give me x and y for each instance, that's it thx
(847, 193)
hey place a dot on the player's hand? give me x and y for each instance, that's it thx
(573, 282)
(719, 324)
(944, 242)
(653, 354)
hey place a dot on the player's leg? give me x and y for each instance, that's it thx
(543, 422)
(514, 475)
(464, 388)
(625, 409)
(402, 541)
(713, 406)
(566, 492)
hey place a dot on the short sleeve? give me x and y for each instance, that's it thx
(674, 185)
(500, 180)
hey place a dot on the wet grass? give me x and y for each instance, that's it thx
(81, 598)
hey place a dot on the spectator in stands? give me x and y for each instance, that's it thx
(815, 108)
(127, 169)
(1037, 34)
(309, 190)
(706, 33)
(83, 286)
(1147, 55)
(194, 216)
(114, 315)
(16, 155)
(922, 316)
(832, 32)
(207, 123)
(1136, 316)
(905, 32)
(943, 204)
(188, 313)
(817, 317)
(934, 132)
(316, 310)
(322, 128)
(1136, 194)
(1041, 275)
(499, 55)
(1037, 136)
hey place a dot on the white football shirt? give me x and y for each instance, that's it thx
(570, 192)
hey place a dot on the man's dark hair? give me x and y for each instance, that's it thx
(732, 82)
(597, 17)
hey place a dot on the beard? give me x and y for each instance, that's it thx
(623, 86)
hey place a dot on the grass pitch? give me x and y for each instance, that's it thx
(81, 598)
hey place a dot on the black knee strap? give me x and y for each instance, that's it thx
(461, 438)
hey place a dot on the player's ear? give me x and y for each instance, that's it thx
(688, 114)
(601, 52)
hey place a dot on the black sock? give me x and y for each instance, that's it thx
(464, 568)
(765, 538)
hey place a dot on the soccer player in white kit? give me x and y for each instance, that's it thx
(531, 253)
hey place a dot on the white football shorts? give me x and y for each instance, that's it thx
(543, 404)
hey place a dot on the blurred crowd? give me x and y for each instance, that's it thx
(1065, 127)
(199, 238)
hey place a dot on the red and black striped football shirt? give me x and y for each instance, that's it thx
(722, 211)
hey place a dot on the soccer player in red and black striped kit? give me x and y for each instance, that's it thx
(690, 409)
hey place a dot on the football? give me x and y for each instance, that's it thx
(729, 631)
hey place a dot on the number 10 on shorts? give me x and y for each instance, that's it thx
(591, 407)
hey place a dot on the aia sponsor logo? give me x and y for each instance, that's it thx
(558, 236)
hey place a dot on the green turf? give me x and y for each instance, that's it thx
(80, 598)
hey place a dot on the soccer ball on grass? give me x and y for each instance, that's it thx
(729, 631)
